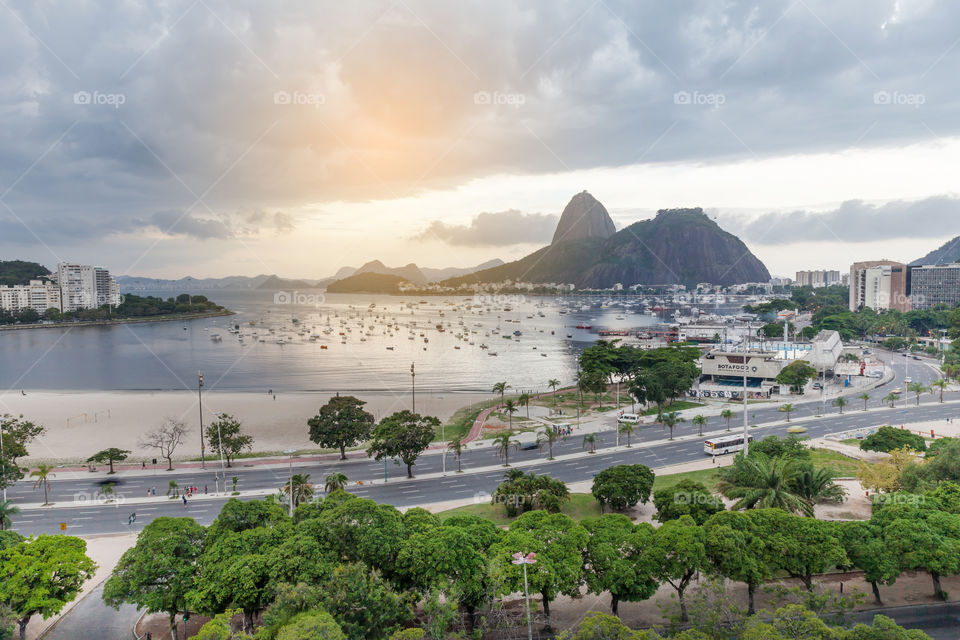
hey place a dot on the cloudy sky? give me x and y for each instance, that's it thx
(217, 137)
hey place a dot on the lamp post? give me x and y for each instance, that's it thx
(413, 386)
(746, 418)
(530, 558)
(290, 453)
(3, 463)
(203, 449)
(223, 469)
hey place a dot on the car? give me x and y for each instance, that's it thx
(817, 385)
(874, 374)
(796, 429)
(897, 391)
(908, 379)
(916, 357)
(529, 446)
(629, 418)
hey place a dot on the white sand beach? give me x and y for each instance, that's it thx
(83, 422)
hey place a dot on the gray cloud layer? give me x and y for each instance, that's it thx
(495, 229)
(853, 221)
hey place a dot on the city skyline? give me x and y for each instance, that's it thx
(213, 139)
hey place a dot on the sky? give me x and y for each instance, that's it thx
(237, 137)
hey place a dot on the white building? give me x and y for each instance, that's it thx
(39, 295)
(86, 287)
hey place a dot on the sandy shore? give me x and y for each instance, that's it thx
(81, 423)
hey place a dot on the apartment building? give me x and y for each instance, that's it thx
(879, 285)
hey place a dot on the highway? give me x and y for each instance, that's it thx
(650, 447)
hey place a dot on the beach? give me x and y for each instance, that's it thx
(82, 423)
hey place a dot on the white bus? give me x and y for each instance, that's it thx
(724, 445)
(630, 418)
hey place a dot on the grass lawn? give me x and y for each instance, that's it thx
(578, 507)
(853, 442)
(676, 406)
(459, 424)
(703, 475)
(839, 463)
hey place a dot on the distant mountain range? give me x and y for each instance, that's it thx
(946, 254)
(678, 246)
(410, 272)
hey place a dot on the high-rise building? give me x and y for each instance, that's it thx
(85, 287)
(818, 278)
(932, 285)
(38, 295)
(879, 285)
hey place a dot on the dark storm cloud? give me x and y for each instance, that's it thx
(853, 221)
(110, 112)
(494, 230)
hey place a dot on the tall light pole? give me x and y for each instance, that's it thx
(3, 463)
(203, 449)
(223, 470)
(746, 418)
(413, 386)
(290, 453)
(530, 558)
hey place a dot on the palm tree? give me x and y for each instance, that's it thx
(865, 397)
(590, 442)
(942, 385)
(511, 408)
(670, 420)
(554, 383)
(302, 489)
(759, 482)
(917, 388)
(547, 436)
(700, 421)
(457, 446)
(502, 444)
(787, 409)
(840, 402)
(334, 482)
(6, 511)
(891, 399)
(524, 400)
(816, 485)
(43, 474)
(628, 429)
(501, 388)
(727, 414)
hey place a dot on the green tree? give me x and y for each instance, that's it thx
(590, 442)
(501, 388)
(364, 604)
(760, 482)
(547, 436)
(670, 420)
(7, 510)
(403, 435)
(510, 406)
(225, 437)
(600, 626)
(866, 551)
(700, 421)
(302, 488)
(557, 541)
(866, 398)
(687, 497)
(109, 456)
(616, 559)
(840, 402)
(680, 553)
(623, 486)
(806, 546)
(926, 544)
(737, 551)
(727, 415)
(43, 473)
(917, 388)
(627, 429)
(334, 482)
(457, 446)
(891, 399)
(17, 434)
(40, 576)
(796, 375)
(942, 385)
(341, 423)
(524, 401)
(159, 571)
(502, 444)
(787, 409)
(312, 625)
(553, 383)
(887, 438)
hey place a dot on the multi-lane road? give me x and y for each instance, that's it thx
(481, 473)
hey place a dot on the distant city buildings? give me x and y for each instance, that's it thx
(879, 285)
(72, 288)
(818, 279)
(933, 285)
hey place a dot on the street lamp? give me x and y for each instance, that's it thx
(290, 453)
(3, 463)
(413, 386)
(530, 558)
(203, 449)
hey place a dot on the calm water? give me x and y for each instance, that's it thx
(168, 355)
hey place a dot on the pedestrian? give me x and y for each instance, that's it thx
(204, 489)
(148, 493)
(184, 496)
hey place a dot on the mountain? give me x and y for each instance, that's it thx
(678, 246)
(436, 275)
(410, 272)
(136, 283)
(947, 254)
(369, 282)
(275, 283)
(21, 272)
(413, 273)
(583, 217)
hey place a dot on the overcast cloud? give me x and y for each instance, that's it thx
(495, 230)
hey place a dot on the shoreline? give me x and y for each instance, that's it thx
(108, 323)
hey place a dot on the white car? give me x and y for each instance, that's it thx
(629, 418)
(908, 379)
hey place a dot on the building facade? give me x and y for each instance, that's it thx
(817, 279)
(85, 287)
(38, 295)
(934, 285)
(879, 285)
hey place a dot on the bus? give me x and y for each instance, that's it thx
(724, 445)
